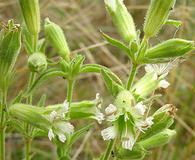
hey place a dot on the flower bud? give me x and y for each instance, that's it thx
(146, 85)
(121, 19)
(159, 139)
(37, 62)
(10, 44)
(157, 16)
(124, 100)
(56, 37)
(31, 13)
(163, 119)
(29, 114)
(170, 48)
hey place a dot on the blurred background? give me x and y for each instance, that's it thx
(81, 21)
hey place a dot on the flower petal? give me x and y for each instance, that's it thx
(65, 106)
(51, 134)
(99, 116)
(128, 143)
(164, 84)
(62, 137)
(111, 109)
(53, 115)
(109, 133)
(140, 108)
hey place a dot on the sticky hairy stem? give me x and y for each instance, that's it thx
(132, 76)
(109, 149)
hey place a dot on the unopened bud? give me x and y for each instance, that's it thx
(31, 13)
(170, 49)
(159, 139)
(37, 62)
(121, 19)
(56, 37)
(157, 16)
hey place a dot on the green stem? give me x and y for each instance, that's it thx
(35, 42)
(70, 91)
(109, 148)
(28, 127)
(27, 149)
(131, 76)
(2, 143)
(2, 125)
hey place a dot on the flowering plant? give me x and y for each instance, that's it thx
(131, 124)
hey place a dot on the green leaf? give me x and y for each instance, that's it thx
(50, 73)
(117, 44)
(42, 45)
(76, 65)
(78, 134)
(113, 87)
(96, 68)
(175, 23)
(42, 101)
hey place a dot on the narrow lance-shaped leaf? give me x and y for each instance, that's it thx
(170, 49)
(113, 87)
(96, 68)
(54, 72)
(117, 44)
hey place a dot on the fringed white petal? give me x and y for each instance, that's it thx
(149, 68)
(62, 137)
(53, 115)
(140, 108)
(164, 84)
(149, 121)
(109, 133)
(65, 106)
(99, 116)
(128, 143)
(51, 134)
(111, 109)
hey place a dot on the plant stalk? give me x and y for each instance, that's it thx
(27, 149)
(132, 76)
(2, 125)
(107, 154)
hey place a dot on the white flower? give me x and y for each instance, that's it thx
(65, 106)
(111, 109)
(161, 69)
(140, 108)
(99, 116)
(51, 134)
(109, 133)
(128, 142)
(53, 115)
(144, 125)
(110, 112)
(149, 121)
(164, 84)
(62, 137)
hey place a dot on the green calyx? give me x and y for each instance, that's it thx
(56, 37)
(157, 16)
(121, 19)
(37, 62)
